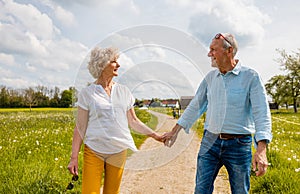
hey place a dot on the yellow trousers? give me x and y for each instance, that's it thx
(95, 164)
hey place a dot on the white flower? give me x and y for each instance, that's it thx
(37, 142)
(29, 152)
(55, 159)
(289, 159)
(297, 170)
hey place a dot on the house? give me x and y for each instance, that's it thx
(184, 101)
(169, 103)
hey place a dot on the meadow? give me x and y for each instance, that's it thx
(35, 149)
(283, 155)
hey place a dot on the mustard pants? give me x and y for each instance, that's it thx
(95, 164)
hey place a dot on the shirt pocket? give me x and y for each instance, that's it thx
(236, 97)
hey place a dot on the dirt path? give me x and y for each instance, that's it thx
(157, 169)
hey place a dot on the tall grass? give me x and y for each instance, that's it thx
(35, 148)
(283, 155)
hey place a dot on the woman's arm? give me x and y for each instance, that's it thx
(79, 133)
(140, 127)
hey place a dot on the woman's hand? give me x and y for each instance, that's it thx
(73, 166)
(157, 137)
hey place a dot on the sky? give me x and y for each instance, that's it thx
(163, 44)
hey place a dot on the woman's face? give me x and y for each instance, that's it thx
(112, 68)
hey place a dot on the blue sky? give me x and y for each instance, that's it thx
(46, 42)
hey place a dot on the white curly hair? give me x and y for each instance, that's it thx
(100, 58)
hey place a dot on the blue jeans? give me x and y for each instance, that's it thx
(234, 154)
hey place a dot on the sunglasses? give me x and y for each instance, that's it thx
(221, 35)
(71, 184)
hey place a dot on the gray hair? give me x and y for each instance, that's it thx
(100, 58)
(232, 40)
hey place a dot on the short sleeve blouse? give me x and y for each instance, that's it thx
(107, 131)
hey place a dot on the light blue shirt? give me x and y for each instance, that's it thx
(235, 103)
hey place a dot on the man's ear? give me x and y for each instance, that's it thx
(230, 50)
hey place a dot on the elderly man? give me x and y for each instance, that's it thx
(235, 101)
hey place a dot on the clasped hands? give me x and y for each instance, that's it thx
(168, 138)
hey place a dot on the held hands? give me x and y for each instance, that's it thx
(170, 137)
(157, 137)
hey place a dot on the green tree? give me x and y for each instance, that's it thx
(277, 89)
(291, 65)
(66, 98)
(4, 97)
(54, 102)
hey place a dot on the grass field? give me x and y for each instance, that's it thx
(283, 155)
(35, 148)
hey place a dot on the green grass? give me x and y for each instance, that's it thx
(35, 148)
(284, 155)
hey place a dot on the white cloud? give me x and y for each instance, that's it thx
(242, 18)
(29, 18)
(66, 17)
(7, 60)
(16, 82)
(5, 71)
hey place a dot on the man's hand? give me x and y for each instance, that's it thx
(170, 137)
(260, 161)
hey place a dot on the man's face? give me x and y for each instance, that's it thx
(217, 53)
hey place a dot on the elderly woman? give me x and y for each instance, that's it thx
(105, 108)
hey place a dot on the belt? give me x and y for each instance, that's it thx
(226, 136)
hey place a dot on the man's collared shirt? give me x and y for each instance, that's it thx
(235, 103)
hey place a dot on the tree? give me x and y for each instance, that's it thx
(29, 97)
(4, 97)
(277, 89)
(54, 102)
(291, 65)
(66, 98)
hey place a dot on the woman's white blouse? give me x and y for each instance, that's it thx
(107, 131)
